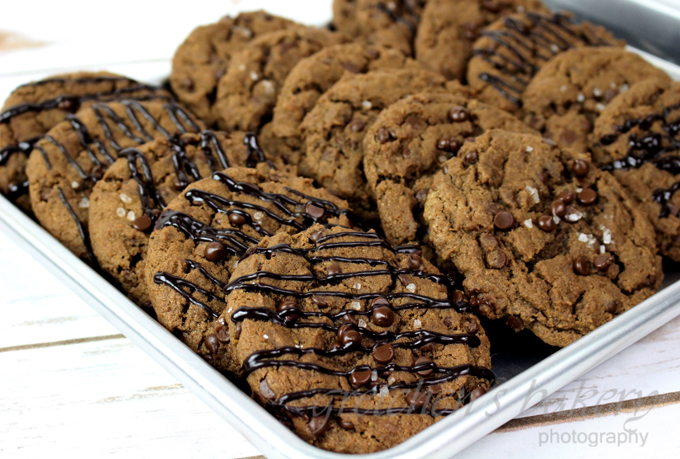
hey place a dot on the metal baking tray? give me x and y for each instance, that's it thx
(525, 380)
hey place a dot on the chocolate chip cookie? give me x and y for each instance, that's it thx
(64, 165)
(567, 95)
(313, 76)
(449, 27)
(201, 235)
(246, 95)
(543, 238)
(336, 126)
(34, 108)
(390, 24)
(125, 203)
(513, 49)
(204, 57)
(407, 145)
(637, 138)
(357, 344)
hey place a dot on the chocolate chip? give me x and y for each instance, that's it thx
(215, 251)
(415, 122)
(546, 223)
(316, 235)
(611, 306)
(449, 144)
(357, 125)
(67, 104)
(383, 136)
(417, 399)
(587, 196)
(142, 223)
(343, 329)
(237, 219)
(425, 361)
(566, 197)
(97, 172)
(569, 137)
(496, 259)
(237, 331)
(473, 326)
(458, 114)
(581, 168)
(609, 94)
(491, 6)
(403, 279)
(350, 319)
(351, 67)
(447, 321)
(457, 297)
(177, 184)
(503, 220)
(383, 353)
(318, 425)
(223, 335)
(334, 270)
(220, 72)
(603, 262)
(383, 316)
(212, 343)
(319, 301)
(476, 393)
(471, 157)
(287, 305)
(360, 377)
(351, 337)
(415, 261)
(314, 210)
(335, 345)
(515, 322)
(427, 347)
(266, 391)
(188, 84)
(346, 423)
(581, 266)
(558, 208)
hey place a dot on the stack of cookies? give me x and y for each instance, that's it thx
(324, 214)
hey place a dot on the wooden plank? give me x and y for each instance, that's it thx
(106, 397)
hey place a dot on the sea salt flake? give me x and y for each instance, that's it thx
(623, 88)
(533, 192)
(125, 198)
(442, 158)
(242, 67)
(366, 105)
(391, 380)
(374, 375)
(120, 212)
(554, 48)
(131, 216)
(602, 249)
(417, 323)
(411, 287)
(580, 98)
(563, 88)
(599, 106)
(573, 216)
(607, 236)
(254, 76)
(357, 286)
(75, 185)
(84, 203)
(258, 216)
(265, 336)
(597, 92)
(529, 149)
(582, 237)
(362, 323)
(355, 305)
(528, 223)
(246, 32)
(384, 391)
(268, 87)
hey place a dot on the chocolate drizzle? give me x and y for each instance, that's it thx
(650, 147)
(409, 16)
(545, 37)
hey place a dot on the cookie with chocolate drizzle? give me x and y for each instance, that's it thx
(359, 345)
(637, 139)
(513, 49)
(544, 239)
(203, 58)
(34, 108)
(448, 29)
(201, 235)
(142, 182)
(64, 165)
(568, 94)
(408, 143)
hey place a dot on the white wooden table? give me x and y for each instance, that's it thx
(72, 385)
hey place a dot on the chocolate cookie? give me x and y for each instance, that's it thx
(34, 108)
(246, 95)
(407, 145)
(542, 237)
(390, 24)
(358, 344)
(201, 235)
(124, 204)
(449, 27)
(569, 92)
(313, 76)
(336, 126)
(511, 50)
(64, 165)
(637, 138)
(204, 57)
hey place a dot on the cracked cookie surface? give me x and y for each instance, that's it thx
(406, 146)
(334, 317)
(542, 237)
